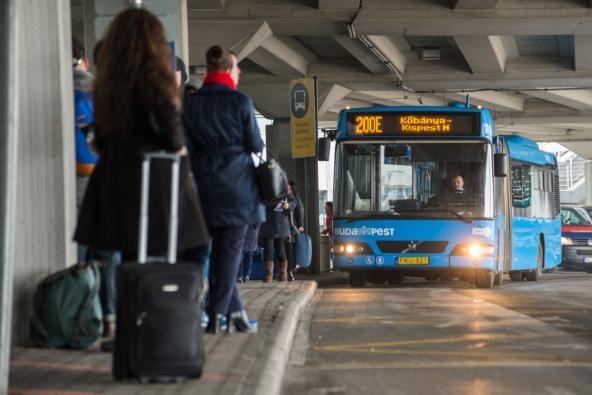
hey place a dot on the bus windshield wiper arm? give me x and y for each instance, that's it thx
(459, 215)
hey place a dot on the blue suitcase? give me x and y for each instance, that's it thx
(303, 250)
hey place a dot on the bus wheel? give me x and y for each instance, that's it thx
(535, 275)
(357, 279)
(499, 278)
(516, 275)
(484, 279)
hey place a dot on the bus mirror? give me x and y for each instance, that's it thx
(499, 165)
(324, 149)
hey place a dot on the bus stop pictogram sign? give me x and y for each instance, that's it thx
(303, 126)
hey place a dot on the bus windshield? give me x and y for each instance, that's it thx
(415, 179)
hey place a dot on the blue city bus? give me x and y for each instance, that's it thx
(398, 210)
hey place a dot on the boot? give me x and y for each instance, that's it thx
(268, 272)
(284, 271)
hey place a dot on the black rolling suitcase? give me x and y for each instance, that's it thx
(158, 334)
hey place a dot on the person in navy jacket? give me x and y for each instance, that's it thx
(222, 133)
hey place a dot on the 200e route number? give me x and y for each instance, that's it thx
(366, 124)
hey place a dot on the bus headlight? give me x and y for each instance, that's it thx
(474, 250)
(566, 241)
(352, 249)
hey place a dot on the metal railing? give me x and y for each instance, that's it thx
(572, 172)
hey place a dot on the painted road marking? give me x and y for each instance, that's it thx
(451, 364)
(487, 354)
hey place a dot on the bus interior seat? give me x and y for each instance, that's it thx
(352, 199)
(361, 204)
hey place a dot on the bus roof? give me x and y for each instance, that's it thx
(527, 150)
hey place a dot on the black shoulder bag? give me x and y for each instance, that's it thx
(273, 182)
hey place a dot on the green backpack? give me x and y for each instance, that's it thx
(67, 310)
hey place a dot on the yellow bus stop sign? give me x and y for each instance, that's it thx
(303, 125)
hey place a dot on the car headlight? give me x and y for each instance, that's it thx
(474, 250)
(566, 241)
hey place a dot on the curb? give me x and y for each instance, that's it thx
(273, 366)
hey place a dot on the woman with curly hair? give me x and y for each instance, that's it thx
(137, 110)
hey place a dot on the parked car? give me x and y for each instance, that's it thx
(576, 238)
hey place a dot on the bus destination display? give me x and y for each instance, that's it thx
(414, 124)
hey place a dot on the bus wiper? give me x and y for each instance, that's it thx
(459, 215)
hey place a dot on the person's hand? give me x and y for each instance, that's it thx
(301, 229)
(182, 151)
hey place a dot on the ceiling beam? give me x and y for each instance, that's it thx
(475, 4)
(390, 51)
(397, 98)
(281, 56)
(484, 54)
(495, 101)
(574, 20)
(547, 119)
(246, 46)
(583, 52)
(335, 94)
(206, 4)
(362, 54)
(577, 99)
(338, 4)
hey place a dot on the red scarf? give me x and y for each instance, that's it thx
(219, 77)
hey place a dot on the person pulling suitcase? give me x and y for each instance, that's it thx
(137, 111)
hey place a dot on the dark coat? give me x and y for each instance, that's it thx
(109, 215)
(297, 209)
(222, 134)
(277, 224)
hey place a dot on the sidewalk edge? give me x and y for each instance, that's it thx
(270, 377)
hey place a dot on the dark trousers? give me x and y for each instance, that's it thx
(108, 268)
(245, 266)
(227, 244)
(291, 253)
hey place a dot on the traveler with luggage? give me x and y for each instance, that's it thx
(222, 133)
(274, 232)
(137, 111)
(296, 227)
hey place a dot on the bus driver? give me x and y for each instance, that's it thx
(458, 184)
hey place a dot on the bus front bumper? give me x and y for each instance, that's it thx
(392, 262)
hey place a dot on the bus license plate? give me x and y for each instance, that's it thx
(413, 260)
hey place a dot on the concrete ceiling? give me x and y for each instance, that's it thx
(528, 61)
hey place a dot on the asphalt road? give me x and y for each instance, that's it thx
(446, 338)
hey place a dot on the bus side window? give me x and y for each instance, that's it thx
(521, 186)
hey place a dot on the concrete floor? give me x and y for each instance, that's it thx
(447, 338)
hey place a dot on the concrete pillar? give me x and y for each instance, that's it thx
(588, 184)
(304, 172)
(45, 173)
(8, 169)
(90, 38)
(182, 37)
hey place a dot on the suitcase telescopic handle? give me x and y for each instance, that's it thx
(174, 208)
